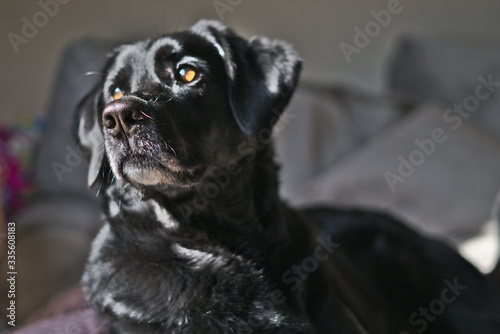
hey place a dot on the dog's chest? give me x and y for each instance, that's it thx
(152, 280)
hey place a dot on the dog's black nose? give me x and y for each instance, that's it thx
(124, 116)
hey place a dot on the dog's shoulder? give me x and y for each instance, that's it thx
(141, 271)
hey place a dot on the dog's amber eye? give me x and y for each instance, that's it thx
(117, 93)
(187, 74)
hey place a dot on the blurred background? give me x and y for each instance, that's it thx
(378, 78)
(315, 28)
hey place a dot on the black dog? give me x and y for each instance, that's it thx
(196, 239)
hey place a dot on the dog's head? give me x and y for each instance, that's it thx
(170, 110)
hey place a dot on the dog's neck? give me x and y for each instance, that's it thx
(246, 218)
(235, 200)
(239, 200)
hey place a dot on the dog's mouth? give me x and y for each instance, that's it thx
(145, 171)
(141, 170)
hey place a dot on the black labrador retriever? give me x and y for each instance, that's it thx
(196, 239)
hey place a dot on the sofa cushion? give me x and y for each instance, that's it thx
(450, 69)
(446, 187)
(60, 167)
(323, 125)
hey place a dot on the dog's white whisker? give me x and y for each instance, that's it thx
(157, 34)
(93, 73)
(170, 148)
(146, 115)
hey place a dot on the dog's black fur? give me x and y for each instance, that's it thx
(196, 239)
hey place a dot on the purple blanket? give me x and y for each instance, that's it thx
(66, 314)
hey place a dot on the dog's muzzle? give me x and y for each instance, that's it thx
(124, 116)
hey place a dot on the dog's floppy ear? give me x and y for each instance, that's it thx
(261, 75)
(88, 129)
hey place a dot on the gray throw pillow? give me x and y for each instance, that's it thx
(458, 71)
(322, 126)
(441, 176)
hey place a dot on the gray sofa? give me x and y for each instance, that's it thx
(336, 145)
(366, 151)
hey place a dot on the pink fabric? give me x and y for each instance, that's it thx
(84, 321)
(65, 314)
